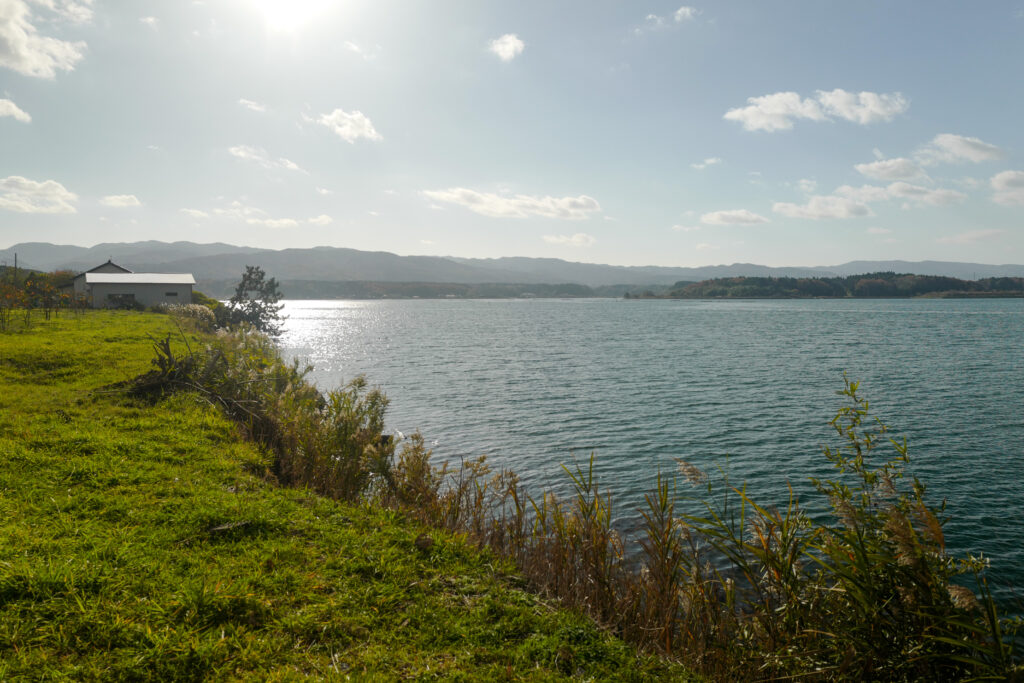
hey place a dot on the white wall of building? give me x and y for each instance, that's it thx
(105, 295)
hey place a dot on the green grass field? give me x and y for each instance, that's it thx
(144, 541)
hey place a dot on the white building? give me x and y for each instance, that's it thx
(114, 290)
(78, 283)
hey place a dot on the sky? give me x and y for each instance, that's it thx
(627, 132)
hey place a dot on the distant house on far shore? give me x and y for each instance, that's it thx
(111, 286)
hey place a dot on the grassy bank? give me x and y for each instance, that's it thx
(144, 539)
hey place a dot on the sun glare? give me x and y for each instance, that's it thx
(290, 15)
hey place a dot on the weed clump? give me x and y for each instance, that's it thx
(738, 590)
(333, 443)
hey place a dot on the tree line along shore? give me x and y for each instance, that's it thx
(39, 289)
(871, 285)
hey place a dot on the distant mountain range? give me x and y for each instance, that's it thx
(218, 263)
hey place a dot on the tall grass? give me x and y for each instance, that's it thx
(738, 590)
(332, 443)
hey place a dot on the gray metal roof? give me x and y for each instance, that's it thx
(109, 263)
(140, 278)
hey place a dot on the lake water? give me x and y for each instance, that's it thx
(744, 385)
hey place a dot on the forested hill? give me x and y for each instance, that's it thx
(217, 262)
(868, 285)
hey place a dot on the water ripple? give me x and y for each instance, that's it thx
(744, 385)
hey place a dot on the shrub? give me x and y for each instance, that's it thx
(194, 316)
(744, 590)
(203, 300)
(331, 443)
(740, 590)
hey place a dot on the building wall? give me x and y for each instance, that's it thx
(79, 282)
(105, 295)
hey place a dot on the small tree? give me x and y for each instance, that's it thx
(255, 302)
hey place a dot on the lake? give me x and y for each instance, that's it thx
(748, 386)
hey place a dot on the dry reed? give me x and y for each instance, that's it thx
(738, 591)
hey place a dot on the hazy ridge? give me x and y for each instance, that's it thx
(219, 262)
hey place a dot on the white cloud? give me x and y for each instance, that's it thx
(251, 215)
(685, 13)
(879, 231)
(349, 126)
(250, 154)
(1009, 188)
(259, 156)
(651, 23)
(324, 191)
(890, 169)
(151, 22)
(28, 196)
(22, 49)
(710, 161)
(732, 217)
(685, 228)
(863, 107)
(820, 207)
(239, 211)
(580, 239)
(806, 185)
(901, 190)
(703, 246)
(864, 193)
(195, 213)
(971, 236)
(254, 106)
(951, 149)
(508, 47)
(120, 200)
(9, 108)
(777, 111)
(273, 222)
(654, 22)
(518, 206)
(925, 195)
(75, 11)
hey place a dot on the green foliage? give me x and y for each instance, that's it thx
(361, 289)
(745, 591)
(740, 591)
(35, 292)
(255, 303)
(194, 316)
(143, 540)
(203, 300)
(871, 595)
(869, 285)
(333, 443)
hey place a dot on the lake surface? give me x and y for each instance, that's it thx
(748, 386)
